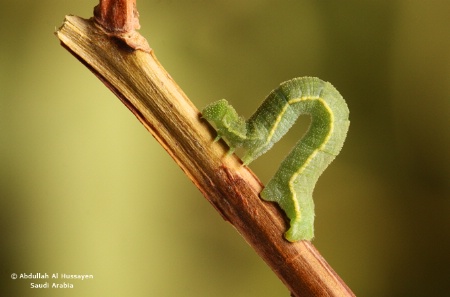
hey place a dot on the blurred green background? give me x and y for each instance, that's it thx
(85, 189)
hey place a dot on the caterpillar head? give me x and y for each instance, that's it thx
(216, 111)
(228, 123)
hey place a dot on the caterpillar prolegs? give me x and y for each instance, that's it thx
(293, 183)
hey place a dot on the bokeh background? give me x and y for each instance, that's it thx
(85, 189)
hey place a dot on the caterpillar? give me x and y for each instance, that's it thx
(293, 183)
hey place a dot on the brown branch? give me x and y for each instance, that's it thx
(117, 15)
(120, 19)
(142, 84)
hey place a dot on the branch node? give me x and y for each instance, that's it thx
(120, 19)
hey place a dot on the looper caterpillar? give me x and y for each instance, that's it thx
(293, 183)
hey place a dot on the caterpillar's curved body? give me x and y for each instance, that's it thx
(293, 183)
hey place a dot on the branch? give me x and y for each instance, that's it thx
(142, 84)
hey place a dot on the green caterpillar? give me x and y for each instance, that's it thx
(293, 183)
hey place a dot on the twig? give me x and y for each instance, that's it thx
(141, 83)
(120, 18)
(117, 15)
